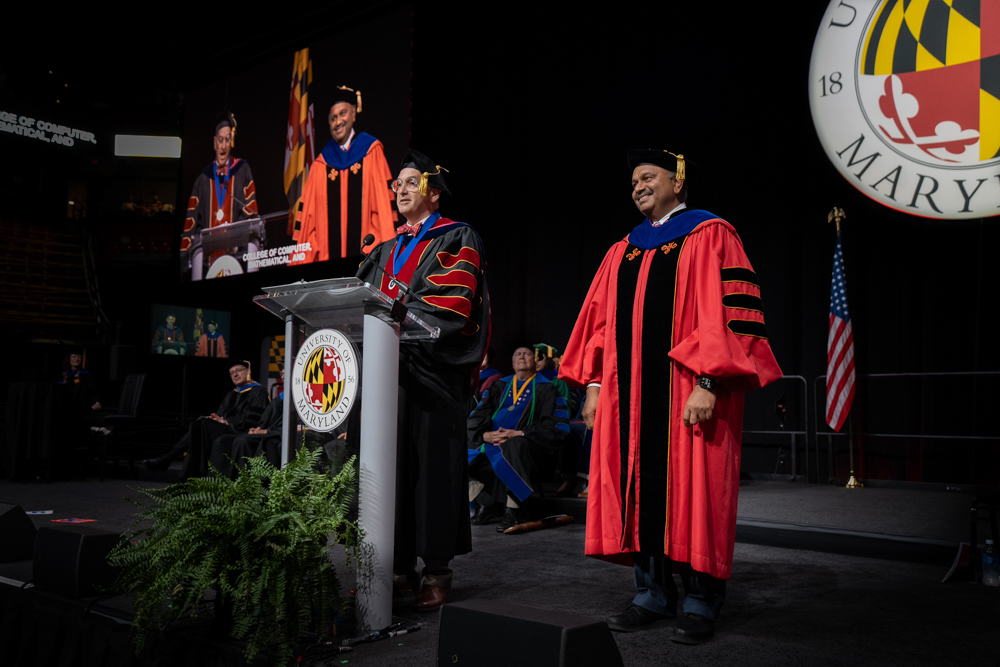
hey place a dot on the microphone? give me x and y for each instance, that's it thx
(403, 287)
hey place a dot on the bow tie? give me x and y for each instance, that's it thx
(412, 230)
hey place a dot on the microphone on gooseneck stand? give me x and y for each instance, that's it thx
(403, 287)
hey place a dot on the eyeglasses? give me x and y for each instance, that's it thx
(224, 140)
(409, 185)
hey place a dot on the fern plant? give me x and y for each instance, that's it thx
(262, 545)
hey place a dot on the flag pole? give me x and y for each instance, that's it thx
(852, 482)
(836, 215)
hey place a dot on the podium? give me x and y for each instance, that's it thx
(233, 241)
(363, 314)
(170, 347)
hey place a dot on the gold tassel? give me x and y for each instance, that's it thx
(680, 166)
(357, 93)
(422, 188)
(232, 140)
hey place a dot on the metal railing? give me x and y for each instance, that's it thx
(793, 435)
(819, 393)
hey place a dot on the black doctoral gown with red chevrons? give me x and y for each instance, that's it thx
(203, 204)
(445, 267)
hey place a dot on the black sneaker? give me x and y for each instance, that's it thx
(693, 629)
(158, 464)
(636, 618)
(485, 514)
(511, 517)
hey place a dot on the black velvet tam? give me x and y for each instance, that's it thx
(660, 158)
(425, 165)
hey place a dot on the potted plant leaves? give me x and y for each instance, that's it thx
(260, 541)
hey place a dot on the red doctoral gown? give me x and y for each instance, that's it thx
(655, 484)
(346, 197)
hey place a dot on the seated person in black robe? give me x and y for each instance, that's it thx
(85, 396)
(84, 402)
(521, 419)
(228, 451)
(240, 409)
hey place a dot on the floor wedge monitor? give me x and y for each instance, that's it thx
(73, 560)
(17, 534)
(487, 633)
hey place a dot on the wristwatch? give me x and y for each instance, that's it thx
(708, 383)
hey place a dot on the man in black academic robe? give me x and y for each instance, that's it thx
(223, 193)
(521, 419)
(240, 409)
(228, 451)
(443, 263)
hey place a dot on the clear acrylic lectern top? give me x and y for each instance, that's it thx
(232, 235)
(340, 303)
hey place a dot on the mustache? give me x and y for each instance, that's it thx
(647, 191)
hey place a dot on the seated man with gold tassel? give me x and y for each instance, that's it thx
(520, 419)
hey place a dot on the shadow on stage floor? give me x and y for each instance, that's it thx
(821, 575)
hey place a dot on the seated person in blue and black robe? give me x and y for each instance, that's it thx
(240, 409)
(229, 451)
(521, 419)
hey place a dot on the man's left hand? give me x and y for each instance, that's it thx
(217, 418)
(508, 433)
(493, 437)
(699, 406)
(95, 406)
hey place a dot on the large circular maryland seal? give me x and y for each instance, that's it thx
(325, 379)
(905, 96)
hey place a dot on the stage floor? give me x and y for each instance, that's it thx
(785, 606)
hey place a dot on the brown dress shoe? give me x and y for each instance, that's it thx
(431, 597)
(398, 590)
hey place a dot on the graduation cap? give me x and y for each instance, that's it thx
(226, 119)
(349, 95)
(545, 349)
(242, 362)
(430, 174)
(672, 162)
(518, 344)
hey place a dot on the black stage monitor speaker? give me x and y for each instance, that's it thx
(17, 534)
(486, 633)
(73, 560)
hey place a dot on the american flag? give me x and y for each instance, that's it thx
(839, 349)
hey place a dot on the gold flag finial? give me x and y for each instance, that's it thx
(681, 175)
(422, 188)
(838, 215)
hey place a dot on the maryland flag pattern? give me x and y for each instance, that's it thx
(940, 60)
(300, 139)
(323, 378)
(276, 357)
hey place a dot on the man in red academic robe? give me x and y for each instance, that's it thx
(211, 343)
(665, 379)
(347, 194)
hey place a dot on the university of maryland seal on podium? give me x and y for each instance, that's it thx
(325, 380)
(905, 97)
